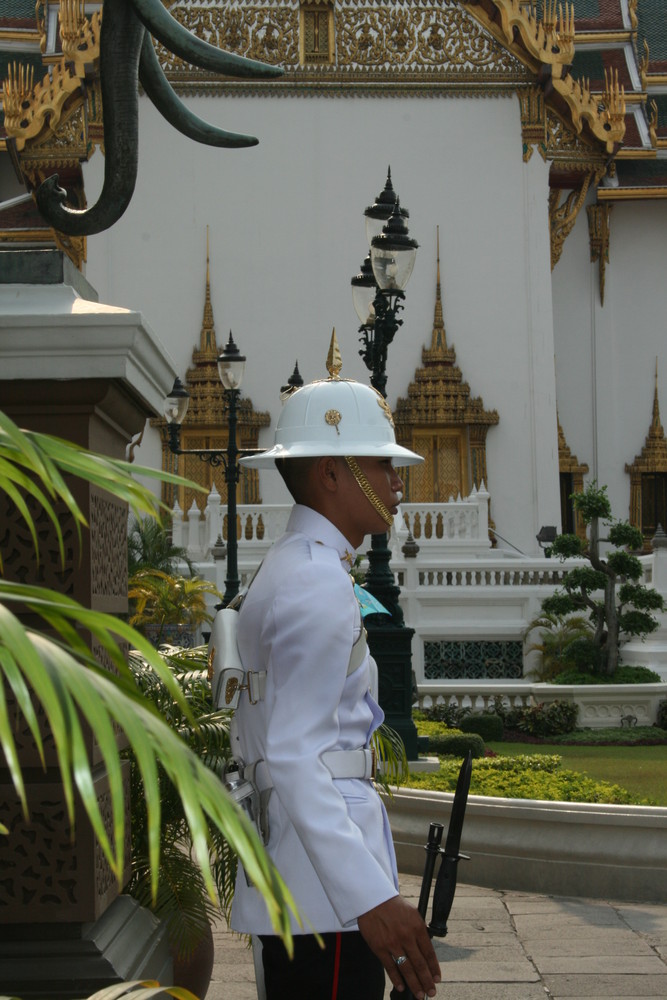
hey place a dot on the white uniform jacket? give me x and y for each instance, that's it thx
(329, 838)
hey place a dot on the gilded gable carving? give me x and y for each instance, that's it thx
(437, 42)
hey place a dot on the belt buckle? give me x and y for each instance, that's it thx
(374, 763)
(248, 687)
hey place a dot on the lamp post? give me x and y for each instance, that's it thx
(231, 367)
(377, 295)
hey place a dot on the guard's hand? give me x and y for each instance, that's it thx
(393, 929)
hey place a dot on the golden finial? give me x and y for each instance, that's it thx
(334, 359)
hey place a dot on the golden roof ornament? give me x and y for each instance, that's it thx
(334, 359)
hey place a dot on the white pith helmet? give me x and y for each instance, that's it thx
(334, 416)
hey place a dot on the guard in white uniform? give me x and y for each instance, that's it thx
(306, 731)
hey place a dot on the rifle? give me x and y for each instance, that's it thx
(445, 883)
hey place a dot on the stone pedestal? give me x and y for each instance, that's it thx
(92, 374)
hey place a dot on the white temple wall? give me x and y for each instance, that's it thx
(287, 234)
(606, 355)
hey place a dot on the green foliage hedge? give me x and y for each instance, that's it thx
(451, 742)
(489, 727)
(540, 720)
(614, 736)
(548, 720)
(622, 675)
(535, 776)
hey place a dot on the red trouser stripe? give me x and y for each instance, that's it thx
(336, 972)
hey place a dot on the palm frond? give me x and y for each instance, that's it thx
(390, 752)
(140, 990)
(38, 463)
(70, 695)
(58, 673)
(149, 545)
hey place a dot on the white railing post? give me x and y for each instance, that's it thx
(193, 544)
(482, 497)
(177, 526)
(213, 520)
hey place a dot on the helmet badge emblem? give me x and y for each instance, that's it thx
(384, 406)
(333, 418)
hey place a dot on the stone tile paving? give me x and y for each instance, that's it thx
(516, 946)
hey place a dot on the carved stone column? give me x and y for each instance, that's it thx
(92, 374)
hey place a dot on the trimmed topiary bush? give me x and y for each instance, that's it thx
(489, 727)
(453, 744)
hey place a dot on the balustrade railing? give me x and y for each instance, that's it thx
(455, 589)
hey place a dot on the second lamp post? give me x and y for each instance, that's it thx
(231, 367)
(377, 294)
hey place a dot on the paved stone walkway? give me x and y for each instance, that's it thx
(517, 946)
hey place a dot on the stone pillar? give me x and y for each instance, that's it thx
(92, 374)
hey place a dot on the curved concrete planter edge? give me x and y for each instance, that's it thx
(555, 848)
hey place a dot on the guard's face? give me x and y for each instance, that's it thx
(387, 486)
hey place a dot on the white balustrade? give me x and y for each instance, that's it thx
(454, 585)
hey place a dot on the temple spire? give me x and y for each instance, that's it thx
(656, 426)
(438, 337)
(207, 344)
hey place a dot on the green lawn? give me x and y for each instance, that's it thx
(640, 769)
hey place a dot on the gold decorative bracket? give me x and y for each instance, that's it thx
(547, 47)
(598, 235)
(533, 121)
(563, 215)
(549, 40)
(33, 110)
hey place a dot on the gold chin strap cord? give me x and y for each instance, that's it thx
(368, 491)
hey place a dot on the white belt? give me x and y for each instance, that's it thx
(351, 763)
(359, 763)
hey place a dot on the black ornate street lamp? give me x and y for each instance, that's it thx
(231, 367)
(378, 294)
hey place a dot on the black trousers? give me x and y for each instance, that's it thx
(345, 969)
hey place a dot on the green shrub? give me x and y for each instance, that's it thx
(622, 675)
(452, 744)
(556, 636)
(508, 713)
(444, 740)
(489, 727)
(662, 715)
(534, 776)
(549, 720)
(450, 713)
(635, 675)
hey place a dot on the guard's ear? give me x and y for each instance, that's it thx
(327, 473)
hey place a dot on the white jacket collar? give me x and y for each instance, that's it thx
(308, 522)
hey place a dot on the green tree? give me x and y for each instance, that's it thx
(618, 606)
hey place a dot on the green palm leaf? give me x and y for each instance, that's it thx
(141, 991)
(69, 694)
(58, 673)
